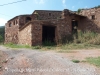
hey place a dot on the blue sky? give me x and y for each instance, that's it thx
(27, 7)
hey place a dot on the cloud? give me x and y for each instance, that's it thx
(86, 7)
(73, 7)
(39, 1)
(64, 3)
(2, 21)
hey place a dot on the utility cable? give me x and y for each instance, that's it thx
(13, 2)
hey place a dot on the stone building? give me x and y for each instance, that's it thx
(54, 26)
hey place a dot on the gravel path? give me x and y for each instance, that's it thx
(33, 62)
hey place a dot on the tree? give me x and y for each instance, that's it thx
(1, 38)
(79, 10)
(2, 32)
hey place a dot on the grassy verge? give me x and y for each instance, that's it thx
(94, 61)
(11, 45)
(85, 40)
(62, 48)
(79, 46)
(16, 46)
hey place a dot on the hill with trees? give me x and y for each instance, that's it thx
(2, 32)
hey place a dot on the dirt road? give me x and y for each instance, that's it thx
(36, 62)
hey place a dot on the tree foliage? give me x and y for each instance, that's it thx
(2, 32)
(79, 10)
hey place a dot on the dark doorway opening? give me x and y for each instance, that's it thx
(48, 34)
(74, 26)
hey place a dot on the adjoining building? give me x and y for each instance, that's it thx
(50, 25)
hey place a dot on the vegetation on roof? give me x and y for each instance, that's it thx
(97, 6)
(79, 10)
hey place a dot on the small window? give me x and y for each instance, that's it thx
(93, 17)
(28, 19)
(60, 17)
(49, 14)
(9, 24)
(14, 22)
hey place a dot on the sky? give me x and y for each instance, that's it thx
(27, 7)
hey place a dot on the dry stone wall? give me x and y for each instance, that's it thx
(92, 20)
(12, 31)
(12, 28)
(27, 29)
(25, 35)
(47, 15)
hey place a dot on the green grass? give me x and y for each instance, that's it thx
(74, 46)
(36, 47)
(67, 51)
(94, 61)
(16, 46)
(48, 43)
(75, 61)
(62, 48)
(11, 45)
(85, 40)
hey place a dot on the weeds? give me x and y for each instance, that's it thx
(85, 40)
(94, 61)
(75, 61)
(11, 45)
(37, 47)
(48, 43)
(67, 51)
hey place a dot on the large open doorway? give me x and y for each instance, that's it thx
(48, 34)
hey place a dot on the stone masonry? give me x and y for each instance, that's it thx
(30, 29)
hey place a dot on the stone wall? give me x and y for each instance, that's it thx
(25, 35)
(47, 15)
(12, 28)
(27, 29)
(23, 19)
(11, 31)
(92, 20)
(36, 33)
(63, 28)
(31, 34)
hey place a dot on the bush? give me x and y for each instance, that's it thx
(76, 61)
(37, 47)
(79, 10)
(88, 37)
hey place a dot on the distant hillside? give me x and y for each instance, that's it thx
(2, 32)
